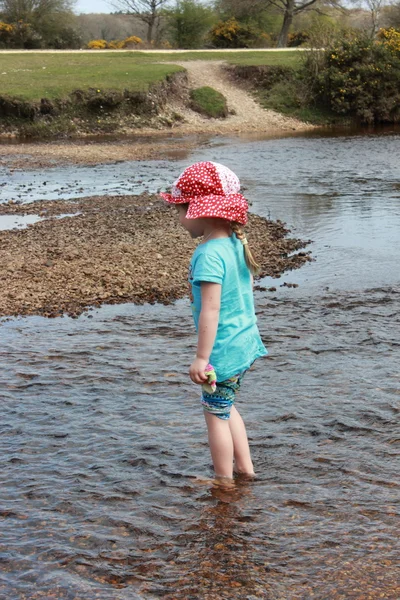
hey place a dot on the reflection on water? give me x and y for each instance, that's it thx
(104, 448)
(17, 221)
(8, 222)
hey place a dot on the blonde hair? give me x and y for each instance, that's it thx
(254, 267)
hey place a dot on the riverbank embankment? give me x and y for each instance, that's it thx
(131, 93)
(112, 250)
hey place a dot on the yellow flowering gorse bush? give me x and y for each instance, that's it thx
(232, 34)
(97, 44)
(128, 42)
(361, 78)
(115, 45)
(390, 38)
(226, 29)
(6, 28)
(133, 40)
(6, 34)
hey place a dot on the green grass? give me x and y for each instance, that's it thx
(35, 75)
(290, 58)
(209, 102)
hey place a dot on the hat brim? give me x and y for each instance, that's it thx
(173, 200)
(232, 207)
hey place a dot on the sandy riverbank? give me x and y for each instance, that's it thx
(143, 145)
(41, 155)
(117, 249)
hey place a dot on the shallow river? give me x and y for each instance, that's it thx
(104, 490)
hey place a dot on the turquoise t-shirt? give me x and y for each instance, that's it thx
(238, 342)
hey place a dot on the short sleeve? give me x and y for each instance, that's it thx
(208, 267)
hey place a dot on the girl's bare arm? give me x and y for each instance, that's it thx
(207, 330)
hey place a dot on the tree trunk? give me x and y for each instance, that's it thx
(150, 25)
(287, 21)
(152, 19)
(375, 20)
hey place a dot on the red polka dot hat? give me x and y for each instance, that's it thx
(211, 190)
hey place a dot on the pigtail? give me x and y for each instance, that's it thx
(254, 267)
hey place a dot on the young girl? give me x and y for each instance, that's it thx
(221, 277)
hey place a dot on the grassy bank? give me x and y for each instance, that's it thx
(37, 75)
(64, 94)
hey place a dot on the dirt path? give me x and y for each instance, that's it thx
(248, 114)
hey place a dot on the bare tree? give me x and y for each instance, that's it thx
(396, 15)
(147, 11)
(375, 8)
(109, 27)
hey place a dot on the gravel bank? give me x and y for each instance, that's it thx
(117, 249)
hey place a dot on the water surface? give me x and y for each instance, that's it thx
(104, 490)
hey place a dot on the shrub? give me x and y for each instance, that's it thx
(132, 41)
(209, 102)
(265, 40)
(298, 38)
(189, 21)
(390, 38)
(232, 34)
(23, 35)
(65, 38)
(361, 78)
(115, 45)
(165, 45)
(97, 45)
(6, 28)
(129, 42)
(6, 32)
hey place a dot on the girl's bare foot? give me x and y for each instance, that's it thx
(244, 475)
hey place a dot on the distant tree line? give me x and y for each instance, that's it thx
(191, 23)
(38, 24)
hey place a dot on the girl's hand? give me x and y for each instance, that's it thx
(197, 369)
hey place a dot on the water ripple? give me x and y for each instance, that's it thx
(104, 449)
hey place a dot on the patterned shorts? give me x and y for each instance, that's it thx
(221, 401)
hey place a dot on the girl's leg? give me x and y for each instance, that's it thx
(221, 445)
(243, 462)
